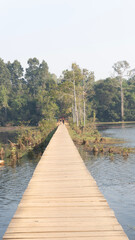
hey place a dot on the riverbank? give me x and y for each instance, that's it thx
(114, 123)
(29, 141)
(92, 140)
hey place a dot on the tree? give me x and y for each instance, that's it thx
(106, 100)
(32, 75)
(5, 86)
(4, 101)
(82, 86)
(76, 71)
(4, 75)
(75, 77)
(130, 99)
(16, 74)
(43, 74)
(120, 68)
(65, 98)
(88, 81)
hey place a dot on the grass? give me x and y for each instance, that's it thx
(81, 135)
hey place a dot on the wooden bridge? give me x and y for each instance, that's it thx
(62, 201)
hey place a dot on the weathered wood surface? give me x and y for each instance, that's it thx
(62, 201)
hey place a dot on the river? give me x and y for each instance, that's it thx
(114, 176)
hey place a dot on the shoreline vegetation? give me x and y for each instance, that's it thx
(30, 142)
(32, 94)
(113, 123)
(91, 140)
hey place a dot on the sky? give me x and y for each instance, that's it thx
(92, 33)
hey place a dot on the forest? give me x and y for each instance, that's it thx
(29, 95)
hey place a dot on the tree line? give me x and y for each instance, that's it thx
(34, 94)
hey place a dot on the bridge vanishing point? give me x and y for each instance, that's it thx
(62, 200)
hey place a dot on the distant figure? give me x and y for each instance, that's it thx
(63, 121)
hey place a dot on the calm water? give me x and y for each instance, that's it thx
(13, 182)
(115, 178)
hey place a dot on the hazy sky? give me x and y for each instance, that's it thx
(93, 33)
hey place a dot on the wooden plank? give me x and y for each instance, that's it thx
(107, 220)
(32, 213)
(62, 201)
(61, 195)
(43, 199)
(71, 238)
(62, 204)
(84, 190)
(17, 223)
(58, 183)
(73, 228)
(66, 234)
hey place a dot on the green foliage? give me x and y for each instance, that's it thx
(16, 74)
(36, 94)
(4, 75)
(46, 126)
(107, 100)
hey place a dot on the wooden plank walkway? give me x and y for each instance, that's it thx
(62, 201)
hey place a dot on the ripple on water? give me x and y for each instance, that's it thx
(13, 182)
(116, 178)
